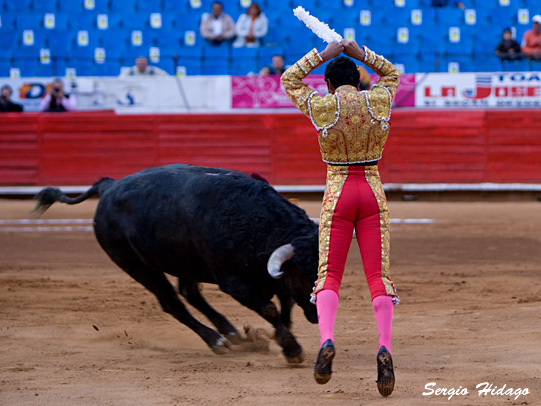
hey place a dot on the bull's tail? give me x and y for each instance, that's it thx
(48, 196)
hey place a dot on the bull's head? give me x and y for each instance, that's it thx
(300, 273)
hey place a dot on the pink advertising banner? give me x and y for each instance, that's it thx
(266, 92)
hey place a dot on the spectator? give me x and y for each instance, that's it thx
(6, 105)
(217, 27)
(531, 41)
(277, 67)
(142, 68)
(508, 49)
(251, 27)
(57, 100)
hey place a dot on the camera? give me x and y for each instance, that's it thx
(56, 89)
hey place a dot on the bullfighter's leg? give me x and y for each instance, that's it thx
(246, 295)
(157, 283)
(190, 290)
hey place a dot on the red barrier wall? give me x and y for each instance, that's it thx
(425, 146)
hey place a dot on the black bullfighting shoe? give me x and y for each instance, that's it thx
(323, 368)
(385, 380)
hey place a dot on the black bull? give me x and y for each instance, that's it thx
(208, 225)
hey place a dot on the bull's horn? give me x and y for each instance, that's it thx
(277, 258)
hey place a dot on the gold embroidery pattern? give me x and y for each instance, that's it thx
(373, 179)
(356, 137)
(295, 88)
(336, 178)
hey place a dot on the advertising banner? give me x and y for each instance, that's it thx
(482, 90)
(267, 92)
(133, 94)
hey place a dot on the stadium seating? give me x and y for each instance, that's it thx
(416, 36)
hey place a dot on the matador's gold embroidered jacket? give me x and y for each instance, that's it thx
(353, 125)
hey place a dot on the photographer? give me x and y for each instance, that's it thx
(57, 100)
(6, 105)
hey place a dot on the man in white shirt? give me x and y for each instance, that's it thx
(217, 26)
(142, 68)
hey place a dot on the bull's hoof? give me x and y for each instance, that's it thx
(222, 346)
(298, 359)
(234, 338)
(290, 348)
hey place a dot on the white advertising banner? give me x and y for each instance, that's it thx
(132, 94)
(482, 90)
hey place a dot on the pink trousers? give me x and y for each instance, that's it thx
(354, 200)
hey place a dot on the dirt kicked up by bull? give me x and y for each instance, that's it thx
(208, 225)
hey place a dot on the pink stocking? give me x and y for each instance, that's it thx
(327, 304)
(383, 310)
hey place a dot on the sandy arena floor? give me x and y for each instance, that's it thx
(75, 330)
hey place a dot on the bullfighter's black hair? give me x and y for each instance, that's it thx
(342, 71)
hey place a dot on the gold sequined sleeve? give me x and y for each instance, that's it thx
(389, 76)
(297, 91)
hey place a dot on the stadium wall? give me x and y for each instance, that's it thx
(425, 146)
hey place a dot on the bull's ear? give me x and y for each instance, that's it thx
(277, 258)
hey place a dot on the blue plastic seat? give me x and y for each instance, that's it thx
(6, 53)
(398, 17)
(429, 61)
(434, 37)
(61, 22)
(45, 6)
(59, 42)
(450, 16)
(108, 68)
(168, 22)
(486, 63)
(82, 21)
(412, 47)
(9, 39)
(81, 53)
(136, 21)
(464, 62)
(216, 61)
(244, 61)
(188, 20)
(28, 53)
(518, 66)
(411, 63)
(146, 6)
(114, 38)
(378, 16)
(39, 38)
(464, 47)
(29, 21)
(18, 6)
(28, 68)
(310, 5)
(276, 37)
(100, 6)
(45, 70)
(122, 6)
(190, 58)
(429, 16)
(5, 66)
(84, 66)
(502, 16)
(129, 55)
(8, 22)
(70, 6)
(166, 39)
